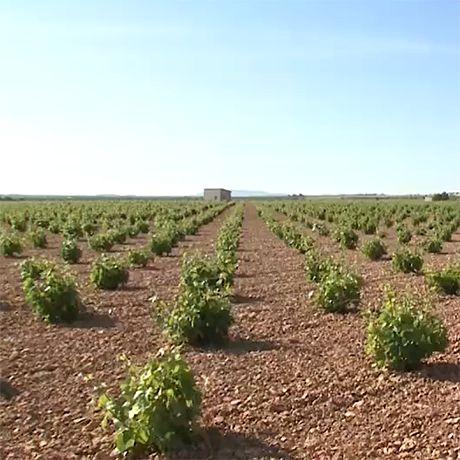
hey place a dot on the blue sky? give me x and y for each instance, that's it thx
(168, 97)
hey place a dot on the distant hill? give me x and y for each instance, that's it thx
(249, 193)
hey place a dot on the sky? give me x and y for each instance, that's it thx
(169, 97)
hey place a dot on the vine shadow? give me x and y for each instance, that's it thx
(93, 320)
(441, 372)
(7, 390)
(228, 445)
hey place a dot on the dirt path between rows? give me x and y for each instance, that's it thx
(295, 383)
(51, 417)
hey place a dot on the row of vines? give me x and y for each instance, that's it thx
(156, 408)
(159, 403)
(403, 330)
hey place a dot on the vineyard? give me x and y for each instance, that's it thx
(294, 329)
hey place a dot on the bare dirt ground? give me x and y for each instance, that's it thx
(293, 383)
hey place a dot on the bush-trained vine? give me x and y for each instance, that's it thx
(201, 313)
(101, 242)
(445, 281)
(346, 237)
(407, 261)
(70, 251)
(338, 291)
(10, 244)
(373, 249)
(51, 292)
(404, 332)
(317, 266)
(403, 234)
(161, 243)
(158, 406)
(109, 272)
(37, 238)
(432, 245)
(139, 257)
(198, 317)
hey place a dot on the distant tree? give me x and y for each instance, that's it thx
(444, 196)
